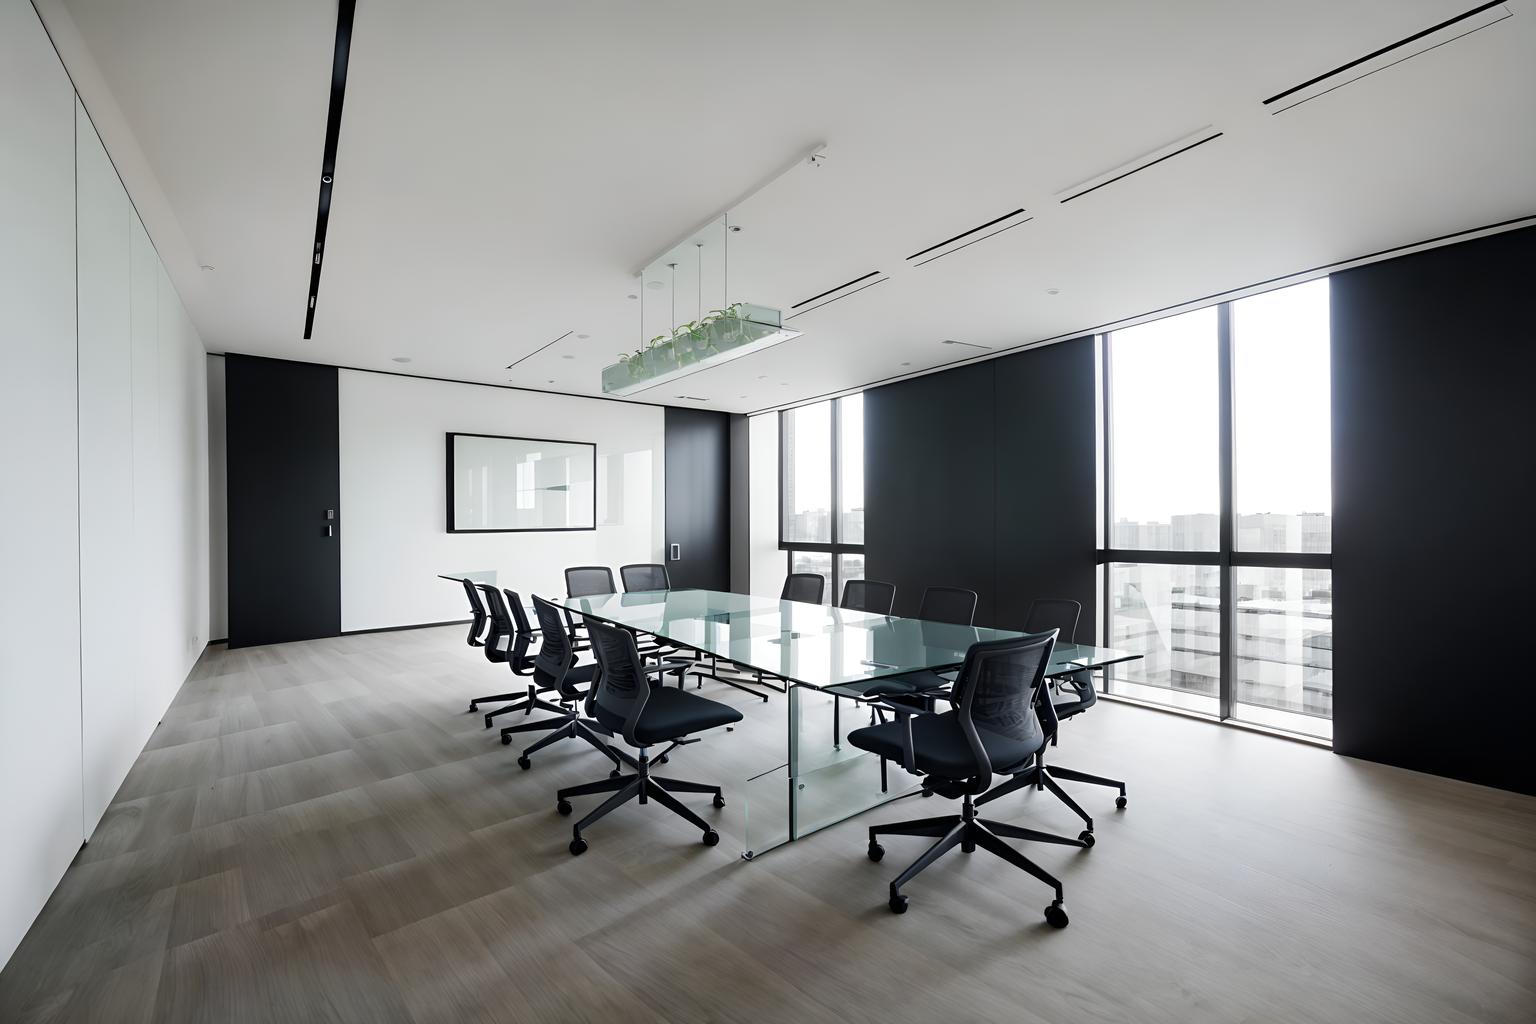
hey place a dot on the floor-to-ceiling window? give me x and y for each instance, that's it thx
(1217, 561)
(821, 491)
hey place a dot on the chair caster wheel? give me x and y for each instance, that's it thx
(524, 763)
(927, 792)
(473, 707)
(898, 903)
(711, 838)
(506, 739)
(1120, 802)
(1055, 916)
(564, 807)
(663, 759)
(578, 846)
(615, 774)
(1086, 838)
(876, 853)
(719, 801)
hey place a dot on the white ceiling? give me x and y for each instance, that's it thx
(504, 167)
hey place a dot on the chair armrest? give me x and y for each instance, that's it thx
(908, 754)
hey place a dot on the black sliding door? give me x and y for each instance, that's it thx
(698, 472)
(284, 495)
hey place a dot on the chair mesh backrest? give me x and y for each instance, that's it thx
(805, 587)
(996, 689)
(588, 581)
(476, 610)
(519, 614)
(498, 639)
(869, 596)
(555, 648)
(1058, 613)
(646, 576)
(948, 604)
(622, 688)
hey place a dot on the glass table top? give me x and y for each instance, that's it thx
(810, 644)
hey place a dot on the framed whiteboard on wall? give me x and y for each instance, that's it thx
(520, 484)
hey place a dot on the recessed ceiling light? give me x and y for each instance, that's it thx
(741, 396)
(567, 357)
(550, 381)
(906, 364)
(583, 337)
(762, 376)
(207, 267)
(634, 296)
(1053, 291)
(402, 359)
(783, 383)
(654, 285)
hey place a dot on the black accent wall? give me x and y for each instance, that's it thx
(983, 477)
(1434, 416)
(283, 457)
(698, 487)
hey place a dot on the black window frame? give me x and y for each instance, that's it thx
(835, 546)
(1227, 556)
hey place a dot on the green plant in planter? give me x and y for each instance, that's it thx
(685, 341)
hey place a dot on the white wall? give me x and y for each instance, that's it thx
(41, 801)
(103, 477)
(394, 538)
(769, 564)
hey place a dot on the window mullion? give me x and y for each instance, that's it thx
(1228, 681)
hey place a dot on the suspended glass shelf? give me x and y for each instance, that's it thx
(713, 342)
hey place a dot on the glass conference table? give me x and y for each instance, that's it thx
(807, 780)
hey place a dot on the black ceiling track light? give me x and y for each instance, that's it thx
(344, 12)
(1143, 167)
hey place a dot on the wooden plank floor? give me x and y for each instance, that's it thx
(318, 832)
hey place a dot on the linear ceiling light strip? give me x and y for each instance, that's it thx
(541, 348)
(344, 11)
(829, 291)
(1150, 163)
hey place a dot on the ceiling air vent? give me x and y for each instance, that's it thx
(842, 291)
(944, 245)
(1431, 38)
(1165, 152)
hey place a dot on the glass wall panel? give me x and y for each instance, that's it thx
(1164, 435)
(850, 467)
(807, 460)
(1171, 615)
(1281, 465)
(1283, 647)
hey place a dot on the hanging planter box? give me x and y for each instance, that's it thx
(711, 343)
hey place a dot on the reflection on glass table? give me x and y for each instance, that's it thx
(823, 653)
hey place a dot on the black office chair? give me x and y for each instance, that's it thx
(1067, 697)
(477, 618)
(642, 577)
(555, 669)
(499, 643)
(868, 596)
(992, 729)
(860, 596)
(589, 581)
(508, 619)
(805, 587)
(954, 605)
(625, 703)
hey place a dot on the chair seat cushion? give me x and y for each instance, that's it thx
(1075, 696)
(908, 682)
(671, 713)
(939, 747)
